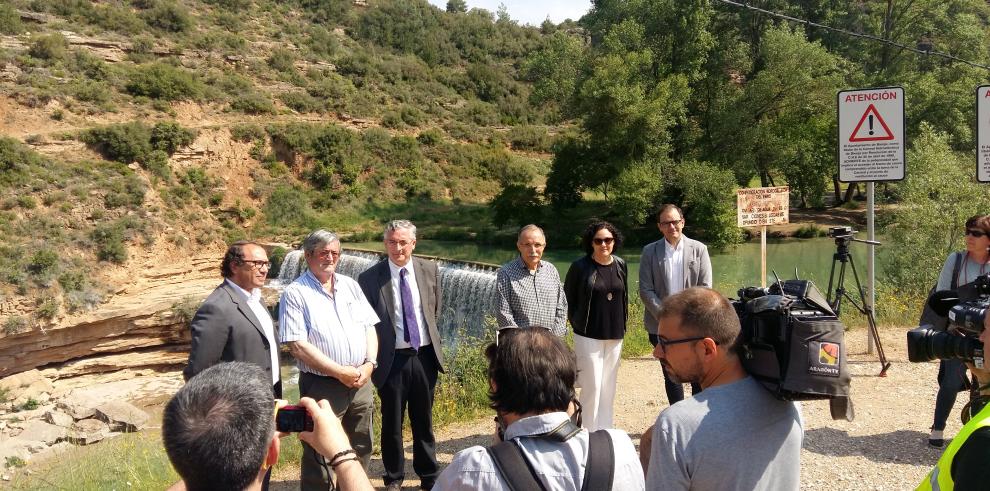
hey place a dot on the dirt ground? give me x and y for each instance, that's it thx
(885, 447)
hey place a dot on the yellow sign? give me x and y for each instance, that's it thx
(757, 207)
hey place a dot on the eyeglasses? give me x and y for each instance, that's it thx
(327, 254)
(604, 240)
(976, 233)
(665, 343)
(671, 222)
(257, 264)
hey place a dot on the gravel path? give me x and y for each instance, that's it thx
(884, 448)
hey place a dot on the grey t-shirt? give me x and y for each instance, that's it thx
(729, 437)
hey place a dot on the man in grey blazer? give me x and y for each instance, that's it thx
(666, 267)
(232, 324)
(405, 293)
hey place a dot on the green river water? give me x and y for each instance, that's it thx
(732, 269)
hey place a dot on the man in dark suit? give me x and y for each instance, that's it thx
(405, 293)
(233, 324)
(666, 267)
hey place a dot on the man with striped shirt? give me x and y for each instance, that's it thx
(329, 327)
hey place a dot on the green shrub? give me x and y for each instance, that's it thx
(82, 300)
(532, 138)
(411, 115)
(809, 231)
(73, 280)
(10, 20)
(168, 16)
(392, 119)
(302, 102)
(253, 103)
(168, 136)
(126, 142)
(282, 60)
(430, 137)
(47, 308)
(247, 132)
(92, 91)
(14, 324)
(516, 205)
(163, 81)
(44, 262)
(27, 202)
(50, 47)
(109, 239)
(157, 163)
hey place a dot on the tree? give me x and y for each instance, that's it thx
(456, 6)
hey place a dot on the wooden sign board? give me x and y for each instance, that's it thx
(758, 207)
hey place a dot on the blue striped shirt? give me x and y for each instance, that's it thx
(336, 325)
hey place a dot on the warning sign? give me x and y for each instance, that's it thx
(756, 207)
(866, 132)
(871, 134)
(983, 133)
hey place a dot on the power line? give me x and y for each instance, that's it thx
(855, 34)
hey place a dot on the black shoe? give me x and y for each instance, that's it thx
(426, 485)
(394, 486)
(936, 442)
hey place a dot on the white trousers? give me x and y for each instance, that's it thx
(598, 367)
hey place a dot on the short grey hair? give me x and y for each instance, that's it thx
(399, 224)
(318, 239)
(527, 228)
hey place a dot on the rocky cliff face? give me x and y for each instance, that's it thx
(145, 325)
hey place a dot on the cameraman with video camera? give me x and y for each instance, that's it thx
(959, 274)
(963, 465)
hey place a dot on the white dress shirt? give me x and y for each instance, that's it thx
(417, 305)
(674, 255)
(254, 301)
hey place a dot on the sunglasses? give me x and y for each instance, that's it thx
(976, 233)
(606, 240)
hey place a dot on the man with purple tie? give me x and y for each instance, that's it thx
(405, 293)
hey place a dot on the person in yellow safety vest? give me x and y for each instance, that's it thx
(965, 464)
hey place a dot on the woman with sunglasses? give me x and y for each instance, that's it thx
(597, 294)
(959, 272)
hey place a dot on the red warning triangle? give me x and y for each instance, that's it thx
(872, 130)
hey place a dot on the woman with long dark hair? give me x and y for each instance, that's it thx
(597, 293)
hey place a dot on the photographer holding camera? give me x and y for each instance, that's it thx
(963, 465)
(219, 432)
(959, 274)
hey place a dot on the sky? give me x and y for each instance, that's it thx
(531, 12)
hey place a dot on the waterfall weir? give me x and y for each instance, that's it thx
(468, 288)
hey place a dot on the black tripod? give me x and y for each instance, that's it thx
(843, 236)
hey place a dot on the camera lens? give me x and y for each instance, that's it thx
(926, 344)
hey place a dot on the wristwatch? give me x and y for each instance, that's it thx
(374, 363)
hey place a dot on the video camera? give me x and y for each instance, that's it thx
(793, 344)
(960, 340)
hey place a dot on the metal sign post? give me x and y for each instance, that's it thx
(871, 149)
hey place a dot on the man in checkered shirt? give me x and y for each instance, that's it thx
(528, 289)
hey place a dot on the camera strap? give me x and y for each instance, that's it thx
(519, 474)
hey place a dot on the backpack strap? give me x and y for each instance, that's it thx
(600, 469)
(955, 271)
(513, 466)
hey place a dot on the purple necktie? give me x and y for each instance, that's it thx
(408, 314)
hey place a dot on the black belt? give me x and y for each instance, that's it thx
(406, 351)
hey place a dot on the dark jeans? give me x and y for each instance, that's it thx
(411, 382)
(675, 391)
(951, 380)
(353, 407)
